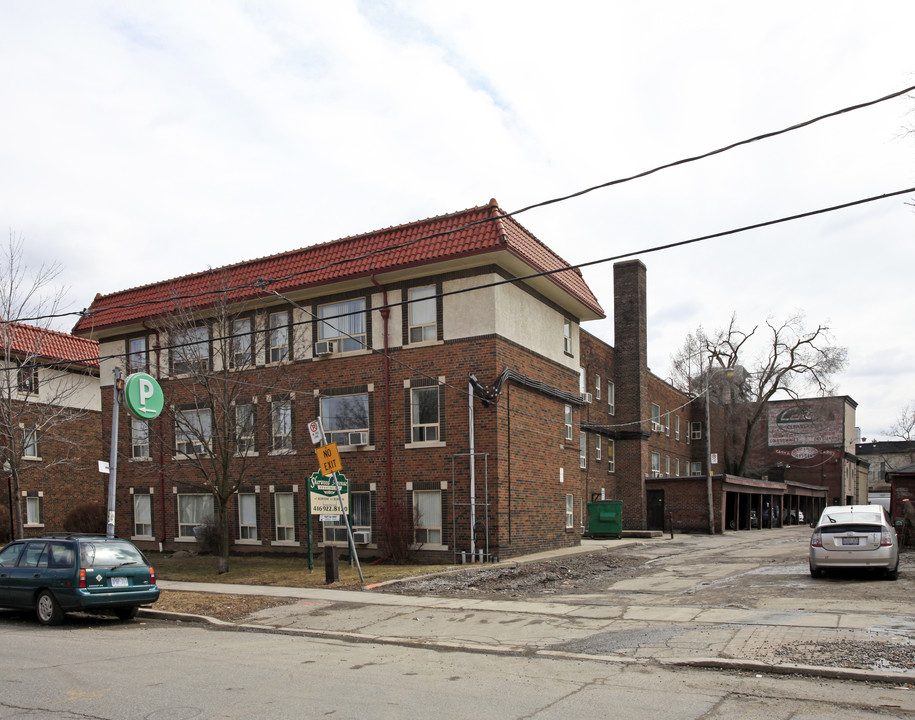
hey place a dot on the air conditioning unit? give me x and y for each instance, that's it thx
(657, 428)
(357, 438)
(587, 397)
(324, 347)
(362, 537)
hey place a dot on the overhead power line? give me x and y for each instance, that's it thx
(544, 203)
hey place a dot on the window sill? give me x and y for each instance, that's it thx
(430, 444)
(339, 354)
(284, 543)
(143, 538)
(248, 542)
(141, 459)
(428, 546)
(275, 453)
(32, 458)
(250, 453)
(424, 343)
(184, 539)
(355, 448)
(33, 525)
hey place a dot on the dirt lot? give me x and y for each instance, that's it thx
(577, 574)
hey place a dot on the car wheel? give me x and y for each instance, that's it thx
(48, 609)
(815, 572)
(892, 574)
(127, 613)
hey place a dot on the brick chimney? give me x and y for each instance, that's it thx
(630, 336)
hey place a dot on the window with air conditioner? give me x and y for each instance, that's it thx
(344, 323)
(344, 414)
(656, 417)
(360, 508)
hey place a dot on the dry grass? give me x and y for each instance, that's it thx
(277, 570)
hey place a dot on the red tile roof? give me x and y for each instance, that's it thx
(42, 344)
(476, 231)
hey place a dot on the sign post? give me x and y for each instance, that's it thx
(144, 400)
(331, 466)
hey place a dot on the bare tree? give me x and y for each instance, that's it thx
(795, 359)
(209, 417)
(904, 425)
(42, 395)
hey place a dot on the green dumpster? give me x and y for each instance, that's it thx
(605, 517)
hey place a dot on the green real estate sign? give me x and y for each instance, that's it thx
(143, 396)
(323, 494)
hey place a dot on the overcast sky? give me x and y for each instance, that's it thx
(141, 141)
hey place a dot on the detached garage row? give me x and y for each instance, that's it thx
(681, 503)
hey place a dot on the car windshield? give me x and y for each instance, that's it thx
(109, 554)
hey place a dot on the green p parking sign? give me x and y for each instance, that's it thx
(143, 396)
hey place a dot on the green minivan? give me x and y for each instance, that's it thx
(59, 573)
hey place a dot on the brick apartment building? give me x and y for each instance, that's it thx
(50, 427)
(420, 347)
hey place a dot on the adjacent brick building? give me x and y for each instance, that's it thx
(50, 427)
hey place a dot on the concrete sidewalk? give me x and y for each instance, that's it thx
(598, 628)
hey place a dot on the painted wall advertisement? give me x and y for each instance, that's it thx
(798, 423)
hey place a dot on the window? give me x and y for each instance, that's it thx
(422, 314)
(244, 429)
(695, 468)
(281, 425)
(667, 465)
(611, 398)
(582, 381)
(656, 418)
(344, 323)
(344, 414)
(597, 387)
(247, 516)
(137, 358)
(30, 442)
(139, 439)
(695, 430)
(611, 456)
(27, 379)
(570, 512)
(655, 464)
(427, 516)
(360, 510)
(193, 430)
(285, 516)
(677, 427)
(567, 336)
(568, 422)
(191, 351)
(582, 450)
(597, 447)
(667, 424)
(242, 343)
(193, 510)
(33, 511)
(677, 467)
(278, 337)
(424, 418)
(142, 515)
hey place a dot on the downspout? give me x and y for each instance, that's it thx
(158, 349)
(385, 317)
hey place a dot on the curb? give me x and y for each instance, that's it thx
(754, 666)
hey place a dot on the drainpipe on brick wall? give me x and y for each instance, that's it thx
(158, 349)
(385, 316)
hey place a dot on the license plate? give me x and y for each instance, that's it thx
(118, 582)
(849, 541)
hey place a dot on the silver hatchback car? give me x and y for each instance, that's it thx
(854, 536)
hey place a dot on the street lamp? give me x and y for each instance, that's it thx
(708, 443)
